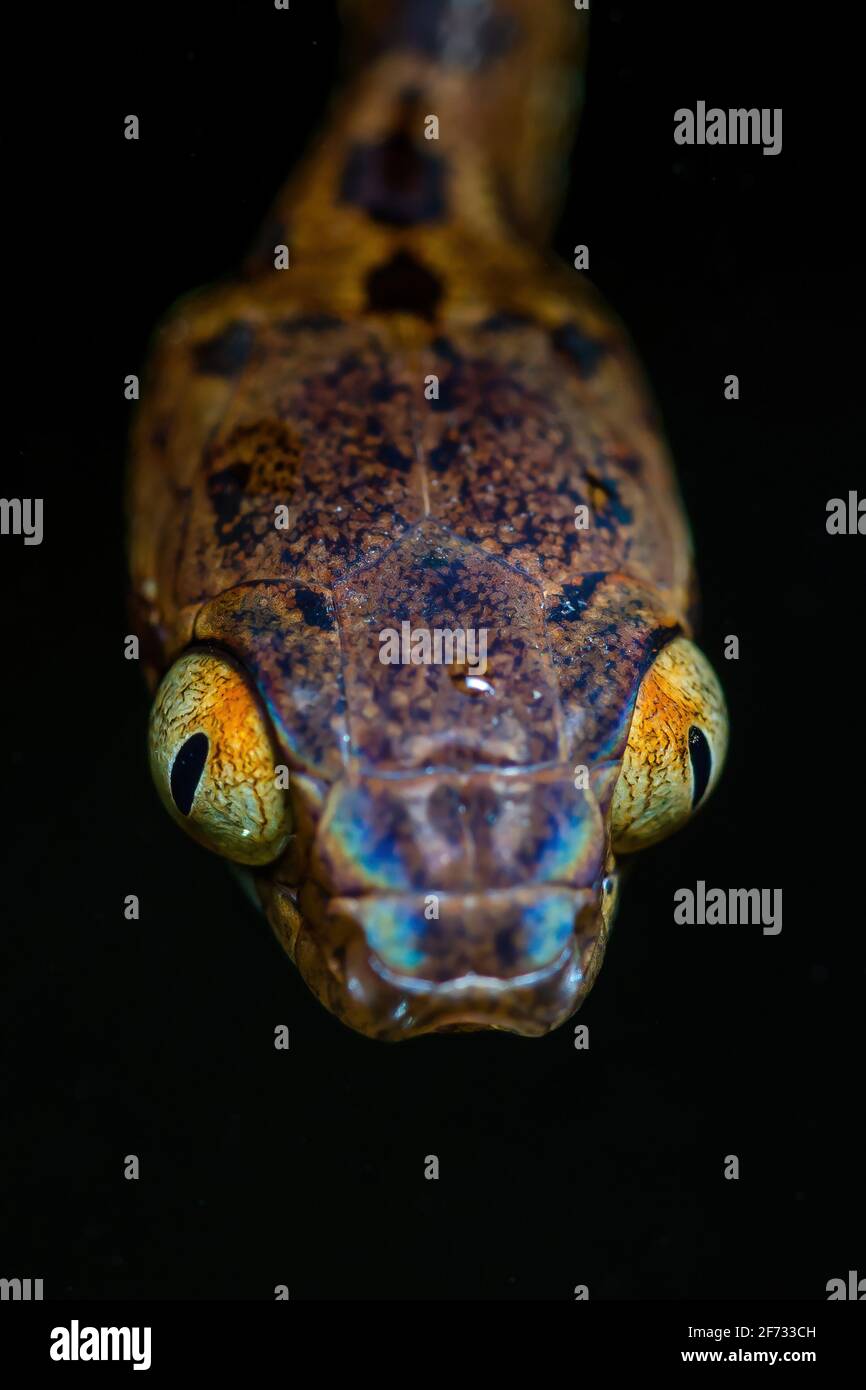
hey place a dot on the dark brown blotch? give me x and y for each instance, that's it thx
(392, 458)
(397, 183)
(314, 608)
(575, 599)
(225, 491)
(227, 353)
(584, 352)
(309, 323)
(403, 286)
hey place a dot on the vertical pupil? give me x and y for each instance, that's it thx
(186, 771)
(702, 762)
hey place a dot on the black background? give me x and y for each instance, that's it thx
(558, 1167)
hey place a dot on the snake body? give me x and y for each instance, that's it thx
(420, 424)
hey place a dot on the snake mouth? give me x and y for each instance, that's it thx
(530, 1004)
(518, 960)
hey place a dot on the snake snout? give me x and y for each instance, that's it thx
(394, 966)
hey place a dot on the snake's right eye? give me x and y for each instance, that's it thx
(212, 759)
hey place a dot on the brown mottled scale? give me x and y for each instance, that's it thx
(413, 260)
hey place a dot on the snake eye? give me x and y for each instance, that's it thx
(212, 759)
(676, 748)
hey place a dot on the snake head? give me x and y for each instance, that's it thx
(441, 900)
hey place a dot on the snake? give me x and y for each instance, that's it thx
(409, 566)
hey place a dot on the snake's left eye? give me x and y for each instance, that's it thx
(676, 747)
(212, 759)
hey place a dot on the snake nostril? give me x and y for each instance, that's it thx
(186, 771)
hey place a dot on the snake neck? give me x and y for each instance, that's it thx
(452, 131)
